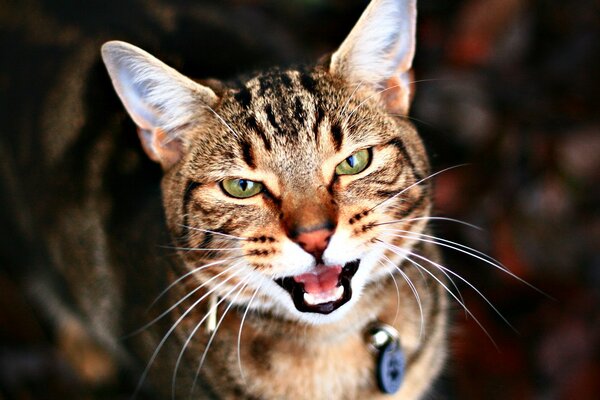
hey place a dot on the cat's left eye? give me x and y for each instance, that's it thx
(354, 164)
(241, 188)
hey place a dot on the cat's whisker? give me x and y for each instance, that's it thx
(415, 184)
(447, 276)
(174, 326)
(193, 333)
(468, 251)
(188, 295)
(229, 128)
(347, 102)
(381, 91)
(189, 273)
(418, 271)
(415, 292)
(369, 98)
(441, 241)
(212, 232)
(431, 80)
(443, 268)
(192, 249)
(214, 333)
(407, 255)
(239, 339)
(458, 221)
(397, 298)
(456, 289)
(397, 292)
(406, 116)
(413, 288)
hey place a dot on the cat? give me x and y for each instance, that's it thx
(295, 200)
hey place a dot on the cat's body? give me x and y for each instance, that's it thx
(298, 136)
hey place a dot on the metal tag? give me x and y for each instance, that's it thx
(390, 367)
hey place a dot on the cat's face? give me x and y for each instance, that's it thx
(278, 191)
(301, 177)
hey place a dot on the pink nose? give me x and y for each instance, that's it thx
(314, 242)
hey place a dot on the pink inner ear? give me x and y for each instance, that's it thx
(397, 95)
(160, 147)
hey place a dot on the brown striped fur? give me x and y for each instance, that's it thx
(105, 248)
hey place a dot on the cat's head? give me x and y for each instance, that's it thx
(279, 191)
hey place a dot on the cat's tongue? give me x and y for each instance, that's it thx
(322, 279)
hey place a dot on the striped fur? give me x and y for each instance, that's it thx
(288, 129)
(113, 250)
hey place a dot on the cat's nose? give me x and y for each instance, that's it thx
(314, 241)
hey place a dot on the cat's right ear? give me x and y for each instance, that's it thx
(159, 99)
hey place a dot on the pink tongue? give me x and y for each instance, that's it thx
(323, 279)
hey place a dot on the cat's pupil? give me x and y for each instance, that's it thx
(351, 161)
(244, 184)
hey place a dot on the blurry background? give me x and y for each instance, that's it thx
(509, 87)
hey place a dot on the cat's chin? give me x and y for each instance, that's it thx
(323, 291)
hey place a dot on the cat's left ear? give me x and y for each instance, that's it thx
(159, 99)
(379, 51)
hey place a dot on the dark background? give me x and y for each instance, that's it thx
(507, 87)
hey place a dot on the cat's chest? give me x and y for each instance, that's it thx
(345, 369)
(300, 365)
(278, 368)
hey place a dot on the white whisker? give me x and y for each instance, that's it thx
(441, 267)
(188, 295)
(369, 98)
(191, 249)
(173, 327)
(239, 340)
(343, 110)
(415, 184)
(431, 80)
(162, 315)
(407, 255)
(413, 119)
(413, 288)
(458, 221)
(397, 291)
(191, 335)
(378, 93)
(468, 251)
(447, 276)
(212, 232)
(397, 298)
(189, 273)
(235, 134)
(214, 333)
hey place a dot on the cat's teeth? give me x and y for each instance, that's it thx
(319, 298)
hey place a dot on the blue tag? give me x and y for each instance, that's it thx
(390, 367)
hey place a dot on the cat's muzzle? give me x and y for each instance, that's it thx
(321, 302)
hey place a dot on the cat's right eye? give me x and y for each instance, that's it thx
(241, 188)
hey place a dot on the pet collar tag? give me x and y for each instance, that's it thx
(384, 340)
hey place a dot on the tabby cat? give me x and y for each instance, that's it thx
(295, 201)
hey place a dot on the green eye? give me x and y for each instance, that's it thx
(354, 164)
(241, 188)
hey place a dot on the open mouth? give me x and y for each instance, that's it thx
(322, 290)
